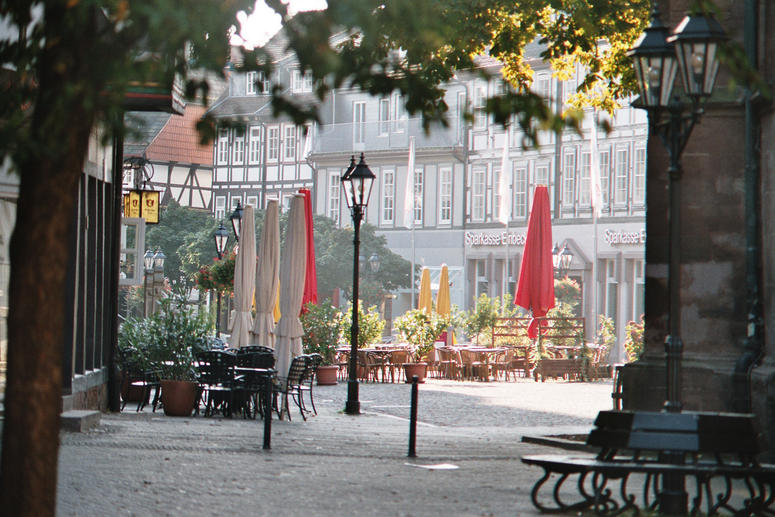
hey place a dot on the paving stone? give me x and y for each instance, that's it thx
(147, 464)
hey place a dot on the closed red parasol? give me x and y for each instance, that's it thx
(311, 280)
(535, 290)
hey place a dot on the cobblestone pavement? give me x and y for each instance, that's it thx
(333, 464)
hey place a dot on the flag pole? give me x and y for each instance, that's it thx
(409, 205)
(596, 199)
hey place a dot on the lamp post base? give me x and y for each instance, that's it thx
(352, 406)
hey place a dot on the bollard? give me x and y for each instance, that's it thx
(268, 412)
(413, 419)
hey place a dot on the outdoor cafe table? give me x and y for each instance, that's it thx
(485, 354)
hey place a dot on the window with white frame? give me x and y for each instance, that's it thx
(239, 145)
(542, 86)
(334, 188)
(639, 177)
(220, 207)
(462, 124)
(359, 122)
(520, 192)
(254, 149)
(223, 146)
(585, 179)
(384, 117)
(611, 289)
(274, 144)
(480, 97)
(290, 142)
(445, 195)
(638, 290)
(250, 86)
(541, 175)
(300, 83)
(399, 114)
(569, 179)
(478, 188)
(251, 201)
(388, 195)
(418, 195)
(234, 201)
(605, 175)
(622, 170)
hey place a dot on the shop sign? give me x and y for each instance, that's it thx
(624, 238)
(472, 239)
(142, 203)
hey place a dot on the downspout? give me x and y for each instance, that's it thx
(753, 347)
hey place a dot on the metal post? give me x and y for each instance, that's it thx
(218, 315)
(353, 406)
(268, 412)
(148, 293)
(673, 498)
(673, 343)
(413, 419)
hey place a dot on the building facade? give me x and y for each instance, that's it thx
(452, 217)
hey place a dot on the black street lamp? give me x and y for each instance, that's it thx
(561, 259)
(148, 283)
(658, 58)
(357, 182)
(692, 52)
(374, 263)
(236, 220)
(221, 238)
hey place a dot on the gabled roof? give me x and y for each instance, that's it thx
(178, 141)
(142, 128)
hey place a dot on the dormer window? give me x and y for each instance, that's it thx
(300, 83)
(255, 83)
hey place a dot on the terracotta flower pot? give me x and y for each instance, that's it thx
(326, 375)
(178, 397)
(418, 369)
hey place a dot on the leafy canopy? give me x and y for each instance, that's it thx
(386, 50)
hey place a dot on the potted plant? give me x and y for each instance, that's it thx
(322, 334)
(170, 340)
(132, 359)
(370, 326)
(420, 330)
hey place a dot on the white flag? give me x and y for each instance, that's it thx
(504, 208)
(409, 192)
(595, 190)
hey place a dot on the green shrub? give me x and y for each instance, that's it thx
(420, 330)
(370, 325)
(167, 341)
(633, 343)
(322, 324)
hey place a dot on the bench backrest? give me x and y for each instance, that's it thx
(559, 331)
(687, 432)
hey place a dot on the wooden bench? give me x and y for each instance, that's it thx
(660, 446)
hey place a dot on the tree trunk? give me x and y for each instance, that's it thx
(39, 249)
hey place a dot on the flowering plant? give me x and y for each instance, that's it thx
(218, 276)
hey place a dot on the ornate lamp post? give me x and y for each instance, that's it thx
(221, 238)
(148, 283)
(236, 220)
(357, 182)
(658, 58)
(692, 51)
(158, 276)
(561, 259)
